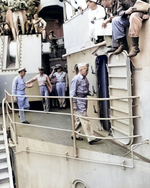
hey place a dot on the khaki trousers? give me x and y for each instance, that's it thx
(22, 17)
(82, 123)
(135, 24)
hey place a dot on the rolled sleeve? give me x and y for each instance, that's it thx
(73, 89)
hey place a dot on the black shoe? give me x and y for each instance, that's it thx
(93, 141)
(100, 39)
(112, 49)
(79, 138)
(25, 122)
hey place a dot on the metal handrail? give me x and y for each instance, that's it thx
(69, 114)
(6, 146)
(68, 97)
(72, 116)
(66, 130)
(123, 165)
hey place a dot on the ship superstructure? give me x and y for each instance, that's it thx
(42, 153)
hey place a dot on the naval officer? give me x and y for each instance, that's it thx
(61, 84)
(44, 85)
(18, 88)
(80, 88)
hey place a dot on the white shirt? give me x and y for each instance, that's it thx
(41, 79)
(96, 18)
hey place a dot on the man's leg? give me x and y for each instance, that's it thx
(26, 103)
(22, 22)
(63, 94)
(15, 22)
(119, 26)
(42, 94)
(58, 87)
(87, 128)
(115, 45)
(10, 21)
(134, 32)
(78, 127)
(44, 35)
(26, 106)
(46, 100)
(21, 106)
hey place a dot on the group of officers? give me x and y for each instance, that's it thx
(79, 88)
(21, 18)
(123, 14)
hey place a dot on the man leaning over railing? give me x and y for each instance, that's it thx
(80, 88)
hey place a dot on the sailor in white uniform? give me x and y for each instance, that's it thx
(96, 18)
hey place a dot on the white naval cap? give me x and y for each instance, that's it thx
(22, 69)
(83, 65)
(40, 68)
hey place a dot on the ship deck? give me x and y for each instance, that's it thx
(43, 133)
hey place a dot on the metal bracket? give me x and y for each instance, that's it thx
(92, 70)
(93, 90)
(110, 132)
(123, 163)
(94, 109)
(66, 154)
(27, 150)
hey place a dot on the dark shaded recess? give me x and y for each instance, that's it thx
(53, 12)
(103, 92)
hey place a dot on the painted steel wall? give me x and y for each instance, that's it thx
(30, 58)
(141, 88)
(76, 33)
(43, 171)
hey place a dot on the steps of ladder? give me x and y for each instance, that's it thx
(1, 138)
(5, 185)
(2, 147)
(3, 165)
(1, 132)
(4, 175)
(3, 156)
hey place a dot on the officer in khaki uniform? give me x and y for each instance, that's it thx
(80, 88)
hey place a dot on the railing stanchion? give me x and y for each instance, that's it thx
(6, 108)
(13, 118)
(73, 128)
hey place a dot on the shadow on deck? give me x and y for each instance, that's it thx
(61, 137)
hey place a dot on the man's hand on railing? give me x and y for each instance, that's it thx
(104, 25)
(74, 105)
(91, 93)
(15, 99)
